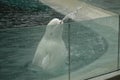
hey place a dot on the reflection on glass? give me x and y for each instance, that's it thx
(94, 47)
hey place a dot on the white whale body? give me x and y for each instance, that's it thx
(51, 51)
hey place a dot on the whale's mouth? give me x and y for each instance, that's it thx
(61, 22)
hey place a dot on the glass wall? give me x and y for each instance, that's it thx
(119, 43)
(92, 50)
(94, 47)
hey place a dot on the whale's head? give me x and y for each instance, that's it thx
(54, 28)
(54, 22)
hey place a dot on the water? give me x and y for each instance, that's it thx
(111, 5)
(13, 17)
(18, 46)
(23, 4)
(86, 46)
(72, 14)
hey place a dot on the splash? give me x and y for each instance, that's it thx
(72, 15)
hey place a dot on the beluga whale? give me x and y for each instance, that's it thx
(51, 52)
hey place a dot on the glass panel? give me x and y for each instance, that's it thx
(93, 50)
(94, 47)
(119, 43)
(17, 49)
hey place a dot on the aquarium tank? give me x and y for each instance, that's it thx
(39, 43)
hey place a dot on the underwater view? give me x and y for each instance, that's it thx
(42, 41)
